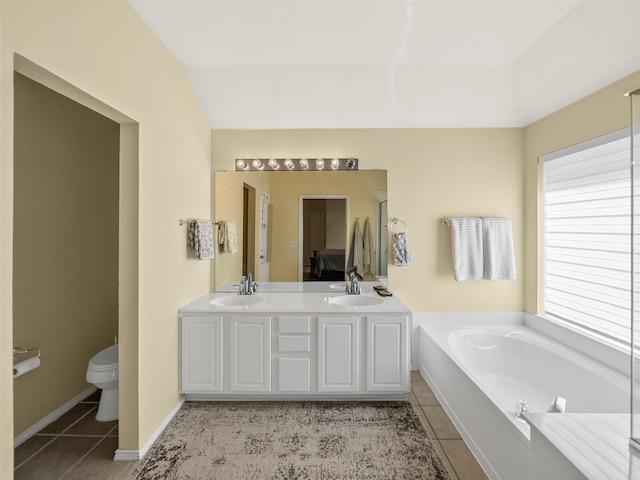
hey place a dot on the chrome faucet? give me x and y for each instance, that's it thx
(247, 286)
(353, 286)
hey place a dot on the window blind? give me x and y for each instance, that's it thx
(588, 237)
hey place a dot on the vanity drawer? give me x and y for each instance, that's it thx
(294, 324)
(298, 343)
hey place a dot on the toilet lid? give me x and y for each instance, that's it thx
(105, 359)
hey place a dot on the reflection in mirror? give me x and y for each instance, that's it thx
(276, 239)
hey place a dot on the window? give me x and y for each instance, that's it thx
(588, 235)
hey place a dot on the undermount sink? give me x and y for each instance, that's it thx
(236, 300)
(337, 286)
(356, 300)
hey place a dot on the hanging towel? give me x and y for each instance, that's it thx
(400, 254)
(228, 237)
(466, 248)
(200, 239)
(368, 252)
(356, 252)
(497, 241)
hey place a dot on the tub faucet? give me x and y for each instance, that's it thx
(353, 286)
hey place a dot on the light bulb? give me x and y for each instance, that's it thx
(335, 163)
(304, 163)
(241, 164)
(257, 164)
(320, 163)
(288, 163)
(273, 163)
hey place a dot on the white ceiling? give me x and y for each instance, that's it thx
(394, 63)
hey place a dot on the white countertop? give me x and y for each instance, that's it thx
(292, 302)
(335, 286)
(597, 444)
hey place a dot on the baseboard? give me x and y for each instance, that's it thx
(52, 417)
(127, 455)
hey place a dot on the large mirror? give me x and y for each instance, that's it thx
(299, 226)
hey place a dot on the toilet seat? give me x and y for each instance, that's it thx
(104, 360)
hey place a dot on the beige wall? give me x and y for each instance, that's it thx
(431, 174)
(104, 50)
(604, 111)
(65, 244)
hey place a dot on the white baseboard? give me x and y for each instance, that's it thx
(126, 455)
(52, 417)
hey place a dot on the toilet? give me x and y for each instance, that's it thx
(103, 373)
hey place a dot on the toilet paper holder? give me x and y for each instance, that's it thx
(21, 351)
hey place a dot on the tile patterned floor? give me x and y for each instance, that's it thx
(458, 459)
(77, 447)
(74, 447)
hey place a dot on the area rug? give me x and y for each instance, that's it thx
(293, 440)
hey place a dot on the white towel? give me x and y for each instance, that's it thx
(200, 239)
(497, 240)
(466, 248)
(228, 237)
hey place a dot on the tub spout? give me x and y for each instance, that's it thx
(558, 406)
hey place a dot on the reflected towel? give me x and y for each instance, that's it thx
(228, 237)
(356, 252)
(497, 241)
(466, 248)
(368, 252)
(200, 239)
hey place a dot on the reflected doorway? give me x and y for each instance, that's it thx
(323, 237)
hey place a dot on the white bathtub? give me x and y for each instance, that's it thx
(479, 368)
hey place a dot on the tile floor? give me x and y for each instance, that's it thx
(77, 447)
(74, 447)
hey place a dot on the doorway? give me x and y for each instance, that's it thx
(122, 213)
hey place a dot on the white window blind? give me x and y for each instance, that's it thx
(588, 237)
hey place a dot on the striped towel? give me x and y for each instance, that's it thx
(200, 239)
(497, 240)
(466, 248)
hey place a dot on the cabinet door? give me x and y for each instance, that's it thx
(387, 359)
(250, 354)
(337, 354)
(200, 354)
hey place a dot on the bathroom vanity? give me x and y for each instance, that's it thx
(295, 345)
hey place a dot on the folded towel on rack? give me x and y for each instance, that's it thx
(200, 239)
(466, 248)
(228, 237)
(400, 254)
(497, 241)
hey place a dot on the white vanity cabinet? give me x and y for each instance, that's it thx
(338, 354)
(250, 353)
(281, 350)
(387, 355)
(201, 354)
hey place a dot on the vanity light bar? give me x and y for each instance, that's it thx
(295, 164)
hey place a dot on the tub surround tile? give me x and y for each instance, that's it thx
(440, 422)
(584, 445)
(463, 461)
